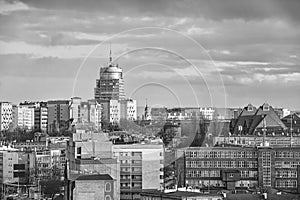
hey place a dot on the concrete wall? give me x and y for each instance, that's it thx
(92, 190)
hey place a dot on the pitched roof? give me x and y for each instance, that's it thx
(272, 119)
(288, 117)
(253, 119)
(248, 110)
(94, 177)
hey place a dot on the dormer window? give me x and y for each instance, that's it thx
(250, 107)
(266, 107)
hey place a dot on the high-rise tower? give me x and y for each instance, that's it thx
(110, 85)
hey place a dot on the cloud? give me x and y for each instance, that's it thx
(253, 44)
(213, 9)
(7, 7)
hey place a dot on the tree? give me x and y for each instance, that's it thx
(54, 184)
(167, 133)
(51, 187)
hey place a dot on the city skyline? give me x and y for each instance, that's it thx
(250, 49)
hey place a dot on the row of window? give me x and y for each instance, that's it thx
(131, 161)
(286, 164)
(286, 174)
(128, 185)
(221, 164)
(221, 154)
(287, 154)
(129, 177)
(216, 173)
(204, 173)
(247, 174)
(136, 154)
(133, 169)
(286, 183)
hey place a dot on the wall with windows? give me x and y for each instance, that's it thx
(267, 167)
(141, 167)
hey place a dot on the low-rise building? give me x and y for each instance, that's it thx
(93, 187)
(239, 167)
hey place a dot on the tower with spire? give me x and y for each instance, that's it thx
(147, 114)
(110, 85)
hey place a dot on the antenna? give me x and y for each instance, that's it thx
(110, 57)
(291, 129)
(264, 130)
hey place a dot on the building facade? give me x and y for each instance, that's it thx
(88, 112)
(93, 187)
(111, 111)
(40, 115)
(128, 109)
(5, 115)
(256, 125)
(7, 161)
(141, 167)
(58, 115)
(24, 117)
(91, 153)
(239, 167)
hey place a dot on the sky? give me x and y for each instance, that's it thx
(174, 53)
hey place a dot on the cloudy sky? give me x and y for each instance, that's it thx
(174, 53)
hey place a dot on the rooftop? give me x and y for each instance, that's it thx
(178, 194)
(93, 177)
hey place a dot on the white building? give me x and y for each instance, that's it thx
(24, 117)
(207, 112)
(285, 112)
(40, 114)
(7, 161)
(177, 115)
(75, 109)
(114, 112)
(5, 115)
(41, 118)
(128, 109)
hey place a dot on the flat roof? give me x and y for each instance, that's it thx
(177, 193)
(138, 146)
(94, 177)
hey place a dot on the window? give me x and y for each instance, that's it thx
(107, 197)
(79, 150)
(107, 187)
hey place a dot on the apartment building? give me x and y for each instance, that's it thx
(141, 167)
(5, 115)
